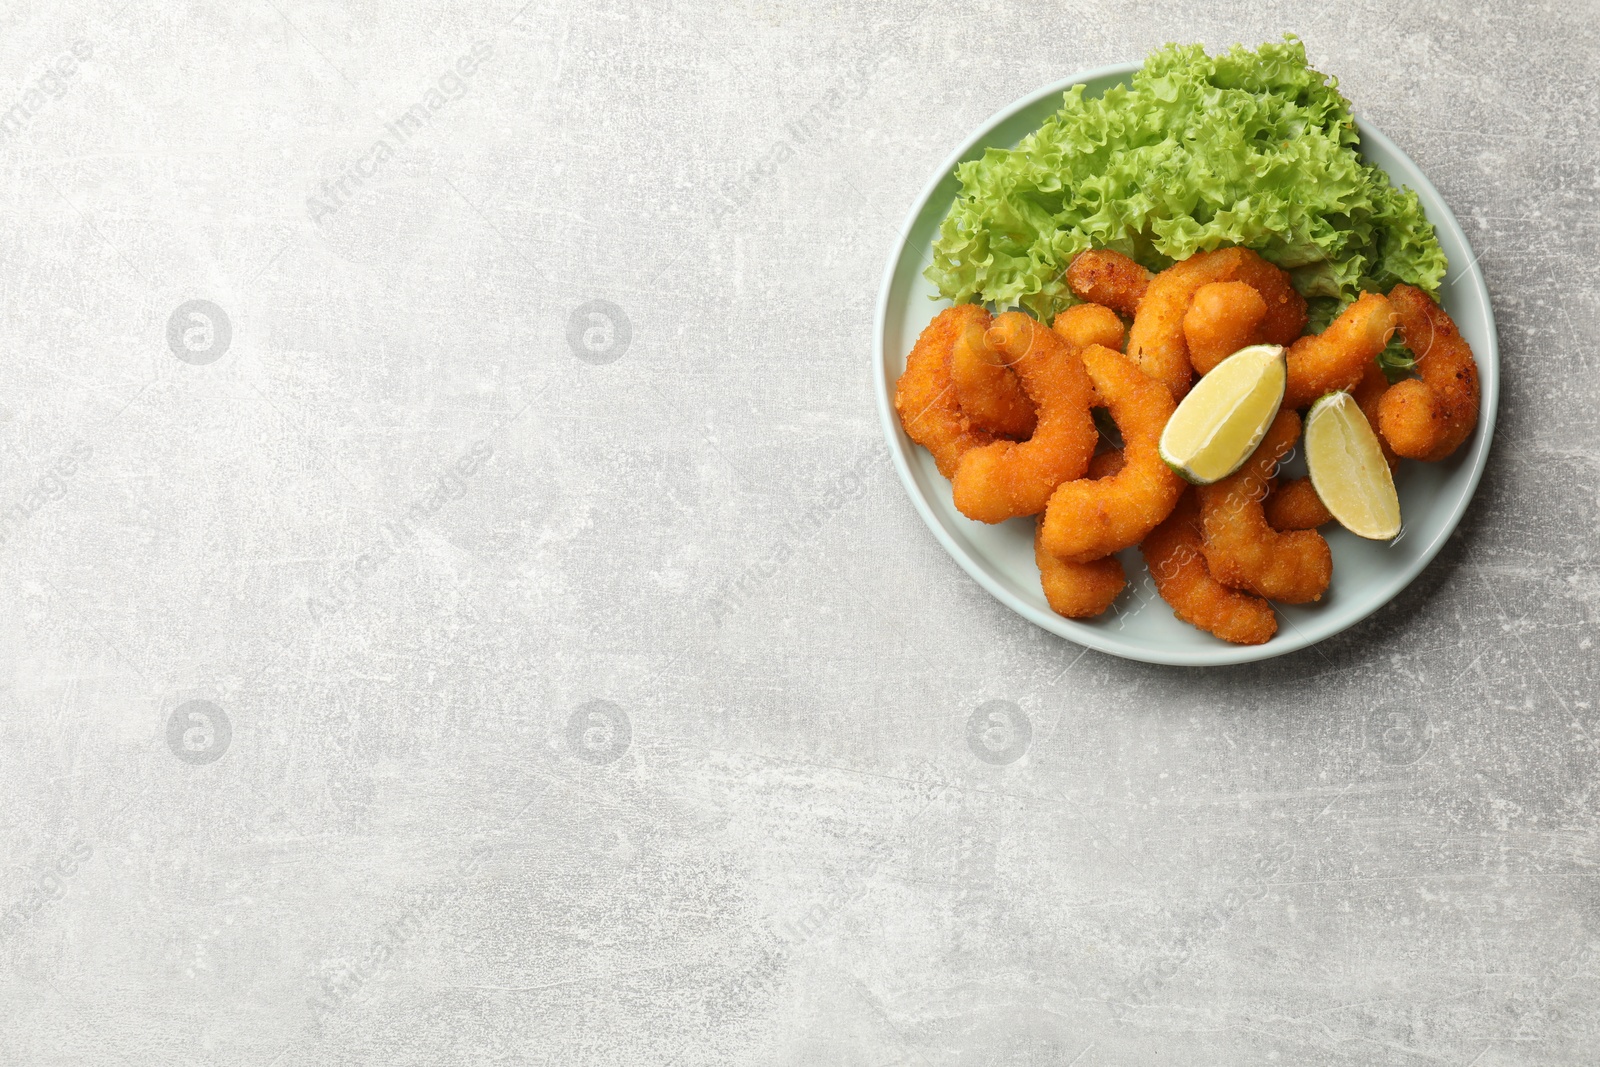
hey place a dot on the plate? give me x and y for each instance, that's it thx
(1366, 574)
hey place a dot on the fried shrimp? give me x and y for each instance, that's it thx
(1428, 419)
(1337, 357)
(1081, 590)
(1246, 553)
(925, 397)
(1295, 505)
(1368, 395)
(1090, 518)
(1082, 325)
(1077, 590)
(1286, 308)
(988, 391)
(1105, 464)
(1174, 553)
(1004, 479)
(1223, 318)
(1156, 342)
(1102, 276)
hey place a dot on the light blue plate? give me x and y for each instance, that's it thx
(1366, 574)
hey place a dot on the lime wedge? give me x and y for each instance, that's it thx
(1348, 470)
(1223, 418)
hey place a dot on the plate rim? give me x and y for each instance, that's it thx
(1092, 637)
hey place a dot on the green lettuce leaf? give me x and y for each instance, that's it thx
(1396, 361)
(1199, 152)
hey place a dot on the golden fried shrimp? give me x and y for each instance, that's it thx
(1337, 357)
(1105, 464)
(925, 398)
(1174, 553)
(1102, 276)
(1246, 553)
(1089, 518)
(1428, 419)
(1004, 479)
(1286, 308)
(1223, 318)
(1156, 342)
(1082, 325)
(1081, 590)
(1077, 590)
(988, 391)
(1368, 395)
(1295, 505)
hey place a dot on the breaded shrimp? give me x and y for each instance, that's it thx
(1174, 554)
(1295, 505)
(1082, 325)
(1368, 395)
(1428, 419)
(1102, 276)
(1105, 464)
(988, 391)
(1077, 590)
(1337, 357)
(1156, 342)
(1081, 590)
(1246, 553)
(1004, 479)
(1089, 518)
(1286, 308)
(1223, 318)
(925, 398)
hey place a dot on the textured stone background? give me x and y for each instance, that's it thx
(439, 674)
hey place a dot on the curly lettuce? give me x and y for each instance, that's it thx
(1249, 148)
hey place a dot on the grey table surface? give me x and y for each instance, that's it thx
(489, 629)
